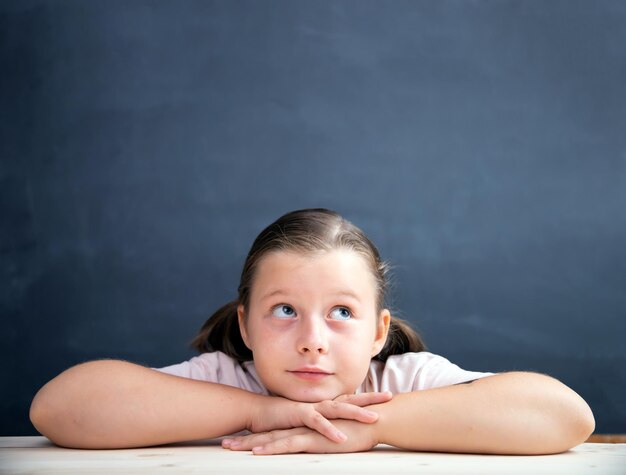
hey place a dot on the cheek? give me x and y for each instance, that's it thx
(365, 335)
(264, 339)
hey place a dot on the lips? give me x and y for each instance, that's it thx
(309, 369)
(310, 373)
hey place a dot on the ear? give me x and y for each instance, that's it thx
(242, 324)
(382, 329)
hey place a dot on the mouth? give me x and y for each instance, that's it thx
(310, 374)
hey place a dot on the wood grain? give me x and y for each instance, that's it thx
(38, 456)
(607, 438)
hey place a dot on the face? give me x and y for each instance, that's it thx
(312, 324)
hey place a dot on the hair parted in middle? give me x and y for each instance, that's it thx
(304, 231)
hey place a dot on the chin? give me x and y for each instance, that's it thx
(310, 395)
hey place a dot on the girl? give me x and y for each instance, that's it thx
(308, 359)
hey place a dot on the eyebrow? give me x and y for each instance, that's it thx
(342, 293)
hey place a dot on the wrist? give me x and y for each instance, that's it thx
(379, 428)
(254, 406)
(267, 413)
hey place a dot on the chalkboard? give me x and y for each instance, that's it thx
(479, 144)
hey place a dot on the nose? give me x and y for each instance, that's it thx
(313, 337)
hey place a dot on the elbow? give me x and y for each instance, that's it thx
(49, 418)
(574, 431)
(585, 424)
(563, 418)
(43, 414)
(37, 414)
(577, 422)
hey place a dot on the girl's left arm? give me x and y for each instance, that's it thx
(508, 413)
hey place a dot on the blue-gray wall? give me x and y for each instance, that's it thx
(480, 144)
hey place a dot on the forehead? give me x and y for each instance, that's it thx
(326, 271)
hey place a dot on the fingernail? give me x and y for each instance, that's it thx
(226, 442)
(257, 450)
(372, 414)
(341, 436)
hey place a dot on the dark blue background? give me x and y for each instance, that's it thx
(481, 145)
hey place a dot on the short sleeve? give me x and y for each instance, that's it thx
(217, 367)
(415, 372)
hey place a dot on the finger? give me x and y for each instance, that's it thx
(247, 442)
(287, 445)
(317, 421)
(343, 410)
(365, 399)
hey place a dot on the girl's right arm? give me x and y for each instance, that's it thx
(116, 404)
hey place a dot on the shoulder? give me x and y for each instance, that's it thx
(217, 367)
(205, 366)
(416, 371)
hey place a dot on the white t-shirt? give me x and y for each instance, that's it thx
(400, 374)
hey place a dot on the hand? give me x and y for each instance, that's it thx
(280, 413)
(361, 437)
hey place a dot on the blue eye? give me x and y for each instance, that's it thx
(287, 311)
(343, 314)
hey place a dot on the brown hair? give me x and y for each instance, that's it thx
(305, 231)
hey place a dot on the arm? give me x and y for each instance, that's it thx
(116, 404)
(509, 413)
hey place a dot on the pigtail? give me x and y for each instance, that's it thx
(221, 333)
(400, 339)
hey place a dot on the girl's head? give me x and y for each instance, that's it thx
(294, 316)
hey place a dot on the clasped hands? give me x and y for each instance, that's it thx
(280, 426)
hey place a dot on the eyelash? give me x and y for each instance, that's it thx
(334, 308)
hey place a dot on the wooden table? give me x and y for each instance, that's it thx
(37, 455)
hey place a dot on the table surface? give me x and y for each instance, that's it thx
(37, 455)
